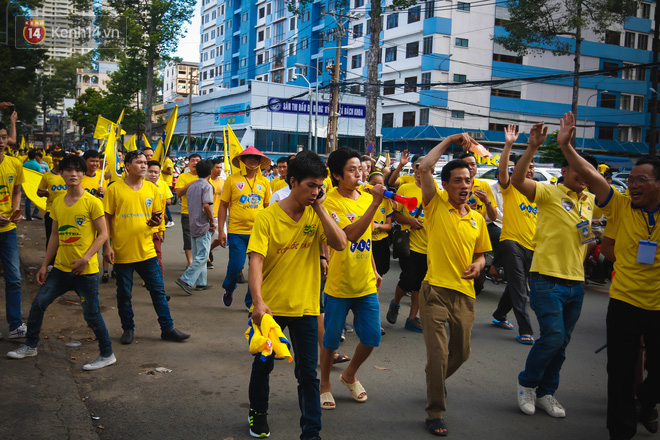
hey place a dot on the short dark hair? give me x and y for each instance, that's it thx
(650, 160)
(306, 164)
(204, 168)
(3, 126)
(73, 161)
(147, 148)
(588, 157)
(153, 163)
(455, 164)
(40, 154)
(58, 154)
(337, 160)
(131, 155)
(216, 161)
(194, 155)
(466, 155)
(32, 154)
(283, 159)
(91, 154)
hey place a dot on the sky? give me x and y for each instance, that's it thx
(189, 45)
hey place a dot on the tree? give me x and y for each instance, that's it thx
(537, 25)
(551, 152)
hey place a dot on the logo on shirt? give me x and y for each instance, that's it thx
(361, 246)
(149, 201)
(68, 234)
(528, 208)
(382, 210)
(473, 222)
(259, 187)
(567, 204)
(80, 219)
(10, 178)
(58, 188)
(350, 216)
(240, 185)
(334, 216)
(309, 230)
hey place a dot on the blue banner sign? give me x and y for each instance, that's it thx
(232, 114)
(281, 105)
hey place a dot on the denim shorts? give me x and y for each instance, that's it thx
(366, 322)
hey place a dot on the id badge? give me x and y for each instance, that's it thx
(253, 201)
(646, 251)
(584, 232)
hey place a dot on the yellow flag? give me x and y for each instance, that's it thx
(224, 141)
(147, 144)
(164, 141)
(22, 145)
(235, 149)
(112, 159)
(104, 126)
(30, 186)
(131, 145)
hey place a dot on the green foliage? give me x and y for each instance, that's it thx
(551, 152)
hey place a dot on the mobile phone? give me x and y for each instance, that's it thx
(11, 110)
(321, 194)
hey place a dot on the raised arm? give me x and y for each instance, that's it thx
(510, 136)
(427, 165)
(597, 183)
(537, 136)
(334, 234)
(394, 175)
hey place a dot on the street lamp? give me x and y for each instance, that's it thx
(309, 136)
(316, 111)
(586, 110)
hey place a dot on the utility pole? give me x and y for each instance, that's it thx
(333, 117)
(190, 88)
(652, 134)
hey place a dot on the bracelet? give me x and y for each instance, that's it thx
(324, 258)
(489, 203)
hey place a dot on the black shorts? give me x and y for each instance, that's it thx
(381, 251)
(185, 227)
(413, 271)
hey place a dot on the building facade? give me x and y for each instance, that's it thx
(178, 80)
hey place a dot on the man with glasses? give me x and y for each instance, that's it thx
(634, 308)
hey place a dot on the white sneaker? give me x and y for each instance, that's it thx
(18, 332)
(526, 399)
(169, 224)
(551, 406)
(100, 362)
(23, 351)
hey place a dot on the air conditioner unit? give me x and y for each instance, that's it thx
(476, 135)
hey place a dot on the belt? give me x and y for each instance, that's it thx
(563, 282)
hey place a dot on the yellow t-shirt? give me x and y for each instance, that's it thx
(76, 231)
(452, 242)
(519, 221)
(327, 183)
(277, 184)
(289, 247)
(480, 207)
(243, 209)
(132, 238)
(167, 178)
(217, 192)
(54, 184)
(558, 251)
(636, 283)
(49, 161)
(408, 178)
(11, 174)
(92, 184)
(183, 180)
(350, 272)
(384, 211)
(418, 240)
(164, 193)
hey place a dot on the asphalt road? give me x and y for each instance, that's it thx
(205, 395)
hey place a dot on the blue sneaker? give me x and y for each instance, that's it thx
(414, 324)
(227, 298)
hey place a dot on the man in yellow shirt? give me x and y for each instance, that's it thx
(279, 183)
(394, 180)
(92, 182)
(634, 308)
(518, 228)
(218, 185)
(352, 282)
(132, 208)
(457, 239)
(11, 179)
(153, 176)
(51, 186)
(556, 274)
(242, 198)
(78, 234)
(285, 239)
(182, 184)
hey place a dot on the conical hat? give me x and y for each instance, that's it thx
(251, 151)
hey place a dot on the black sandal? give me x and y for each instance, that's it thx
(436, 427)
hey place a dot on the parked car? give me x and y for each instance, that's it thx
(540, 174)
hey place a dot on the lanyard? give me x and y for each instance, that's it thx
(248, 182)
(646, 221)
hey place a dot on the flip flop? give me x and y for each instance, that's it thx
(525, 339)
(435, 426)
(326, 398)
(506, 325)
(340, 359)
(356, 389)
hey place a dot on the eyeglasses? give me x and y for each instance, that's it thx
(638, 180)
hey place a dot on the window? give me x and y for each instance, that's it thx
(634, 73)
(356, 61)
(428, 45)
(393, 20)
(244, 39)
(243, 62)
(213, 34)
(463, 6)
(613, 37)
(612, 68)
(505, 93)
(390, 54)
(408, 119)
(388, 87)
(462, 42)
(412, 49)
(388, 120)
(414, 14)
(262, 12)
(222, 30)
(269, 10)
(277, 76)
(220, 50)
(260, 36)
(429, 9)
(426, 79)
(268, 32)
(304, 43)
(292, 49)
(645, 10)
(289, 75)
(213, 15)
(206, 56)
(638, 104)
(245, 16)
(630, 134)
(227, 67)
(358, 3)
(222, 10)
(410, 84)
(642, 41)
(507, 58)
(458, 114)
(460, 78)
(607, 100)
(357, 30)
(629, 40)
(423, 116)
(212, 53)
(260, 59)
(266, 56)
(292, 24)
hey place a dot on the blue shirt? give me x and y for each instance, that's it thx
(32, 165)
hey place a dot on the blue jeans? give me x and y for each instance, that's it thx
(238, 244)
(87, 288)
(153, 280)
(557, 309)
(12, 272)
(303, 334)
(195, 274)
(28, 209)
